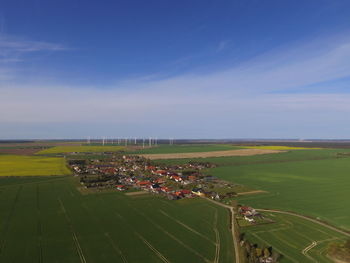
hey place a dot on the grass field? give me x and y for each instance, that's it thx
(61, 225)
(314, 187)
(311, 182)
(81, 149)
(14, 165)
(290, 236)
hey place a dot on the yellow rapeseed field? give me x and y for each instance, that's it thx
(16, 165)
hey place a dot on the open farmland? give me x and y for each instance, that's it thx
(190, 155)
(313, 183)
(298, 240)
(13, 165)
(185, 148)
(81, 149)
(61, 225)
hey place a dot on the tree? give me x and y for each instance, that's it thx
(259, 252)
(252, 255)
(266, 252)
(275, 256)
(347, 244)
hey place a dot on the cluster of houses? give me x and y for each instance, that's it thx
(249, 213)
(135, 172)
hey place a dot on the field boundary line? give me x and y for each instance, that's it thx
(8, 220)
(160, 255)
(282, 240)
(116, 247)
(336, 229)
(252, 192)
(175, 238)
(103, 229)
(75, 238)
(315, 229)
(186, 226)
(217, 237)
(39, 226)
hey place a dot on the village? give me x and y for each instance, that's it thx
(131, 173)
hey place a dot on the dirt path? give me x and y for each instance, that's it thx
(137, 193)
(309, 247)
(235, 241)
(241, 152)
(307, 218)
(253, 192)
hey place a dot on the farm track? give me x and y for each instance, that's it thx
(116, 248)
(8, 221)
(40, 238)
(114, 245)
(187, 227)
(252, 192)
(306, 250)
(217, 238)
(160, 255)
(232, 215)
(173, 237)
(75, 238)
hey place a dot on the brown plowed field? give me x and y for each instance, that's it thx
(241, 152)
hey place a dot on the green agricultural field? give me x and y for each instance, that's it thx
(290, 236)
(310, 182)
(14, 165)
(186, 148)
(81, 149)
(61, 225)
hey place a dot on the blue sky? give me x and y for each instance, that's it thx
(183, 69)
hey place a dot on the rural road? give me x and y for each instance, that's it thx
(307, 218)
(235, 241)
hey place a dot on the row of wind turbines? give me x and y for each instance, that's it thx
(131, 141)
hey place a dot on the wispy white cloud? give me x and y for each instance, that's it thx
(222, 45)
(14, 50)
(11, 44)
(243, 96)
